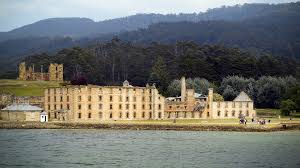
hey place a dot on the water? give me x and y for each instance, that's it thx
(125, 148)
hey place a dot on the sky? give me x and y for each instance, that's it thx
(16, 13)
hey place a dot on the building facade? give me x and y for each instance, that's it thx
(96, 103)
(191, 105)
(20, 112)
(55, 73)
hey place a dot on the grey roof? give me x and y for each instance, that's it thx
(22, 107)
(242, 97)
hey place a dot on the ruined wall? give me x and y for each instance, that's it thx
(56, 72)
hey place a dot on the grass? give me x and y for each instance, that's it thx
(25, 88)
(268, 112)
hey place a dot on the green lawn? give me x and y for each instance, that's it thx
(25, 88)
(268, 112)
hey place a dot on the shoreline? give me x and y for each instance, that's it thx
(139, 126)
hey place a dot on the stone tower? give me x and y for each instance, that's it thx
(183, 89)
(210, 101)
(22, 71)
(56, 72)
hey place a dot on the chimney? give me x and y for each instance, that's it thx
(183, 89)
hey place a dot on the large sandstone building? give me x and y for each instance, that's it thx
(96, 103)
(55, 73)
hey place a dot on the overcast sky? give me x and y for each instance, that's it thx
(16, 13)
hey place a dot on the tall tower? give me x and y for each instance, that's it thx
(210, 101)
(56, 72)
(22, 71)
(183, 89)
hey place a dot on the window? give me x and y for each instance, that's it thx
(233, 113)
(184, 114)
(127, 99)
(134, 114)
(68, 106)
(127, 106)
(120, 115)
(110, 98)
(68, 99)
(185, 107)
(143, 98)
(100, 98)
(54, 98)
(207, 114)
(61, 106)
(61, 98)
(90, 106)
(48, 98)
(100, 106)
(150, 98)
(247, 105)
(90, 98)
(150, 107)
(159, 115)
(127, 115)
(48, 107)
(79, 115)
(240, 104)
(233, 105)
(110, 115)
(111, 106)
(90, 115)
(247, 113)
(79, 107)
(100, 115)
(48, 91)
(159, 107)
(55, 115)
(170, 107)
(120, 106)
(150, 115)
(169, 115)
(240, 112)
(219, 113)
(134, 99)
(226, 113)
(143, 115)
(134, 106)
(143, 106)
(79, 98)
(120, 98)
(55, 107)
(193, 115)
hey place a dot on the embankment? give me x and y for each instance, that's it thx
(136, 126)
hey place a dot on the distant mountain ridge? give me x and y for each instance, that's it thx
(84, 27)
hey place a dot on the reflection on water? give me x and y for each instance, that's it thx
(112, 148)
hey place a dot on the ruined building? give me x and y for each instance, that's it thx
(55, 73)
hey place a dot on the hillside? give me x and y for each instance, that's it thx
(84, 27)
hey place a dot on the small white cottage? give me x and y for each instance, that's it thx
(44, 116)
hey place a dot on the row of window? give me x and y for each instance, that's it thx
(233, 104)
(101, 106)
(120, 115)
(99, 98)
(233, 113)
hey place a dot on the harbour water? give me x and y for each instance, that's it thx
(126, 148)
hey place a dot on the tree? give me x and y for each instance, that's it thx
(287, 106)
(159, 75)
(217, 97)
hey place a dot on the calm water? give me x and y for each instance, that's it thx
(112, 148)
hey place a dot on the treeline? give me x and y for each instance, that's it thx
(112, 63)
(266, 91)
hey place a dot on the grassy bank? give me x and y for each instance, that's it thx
(158, 125)
(25, 88)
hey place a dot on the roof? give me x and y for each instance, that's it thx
(22, 107)
(199, 95)
(242, 97)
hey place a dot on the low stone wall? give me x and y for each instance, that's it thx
(119, 126)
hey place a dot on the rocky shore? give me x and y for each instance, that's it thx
(136, 126)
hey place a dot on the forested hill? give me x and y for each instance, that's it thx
(83, 27)
(275, 33)
(112, 63)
